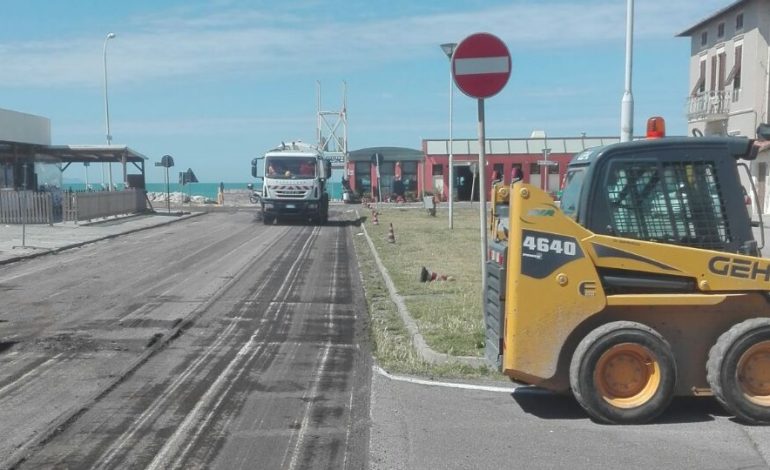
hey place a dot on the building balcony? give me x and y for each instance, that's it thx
(710, 105)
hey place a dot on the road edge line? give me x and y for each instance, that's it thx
(413, 380)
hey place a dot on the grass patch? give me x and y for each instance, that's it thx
(448, 314)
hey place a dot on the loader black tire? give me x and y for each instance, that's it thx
(268, 219)
(623, 373)
(738, 370)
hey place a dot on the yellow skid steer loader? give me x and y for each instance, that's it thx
(644, 283)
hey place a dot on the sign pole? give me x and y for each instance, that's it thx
(24, 209)
(482, 200)
(379, 186)
(481, 66)
(451, 154)
(168, 194)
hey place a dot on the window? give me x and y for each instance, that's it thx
(721, 59)
(387, 176)
(363, 177)
(290, 167)
(409, 175)
(534, 169)
(704, 38)
(735, 72)
(438, 169)
(6, 175)
(497, 171)
(700, 84)
(570, 197)
(721, 30)
(739, 21)
(516, 168)
(678, 203)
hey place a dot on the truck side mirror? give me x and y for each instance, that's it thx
(254, 168)
(328, 169)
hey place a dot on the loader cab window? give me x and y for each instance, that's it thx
(671, 202)
(570, 196)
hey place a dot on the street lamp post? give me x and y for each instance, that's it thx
(627, 103)
(449, 49)
(107, 103)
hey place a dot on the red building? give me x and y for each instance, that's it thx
(399, 172)
(542, 161)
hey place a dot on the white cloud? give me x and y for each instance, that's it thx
(253, 42)
(189, 126)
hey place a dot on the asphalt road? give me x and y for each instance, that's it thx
(416, 426)
(218, 342)
(215, 342)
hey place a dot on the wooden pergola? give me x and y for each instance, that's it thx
(17, 161)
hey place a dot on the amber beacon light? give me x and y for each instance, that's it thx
(656, 127)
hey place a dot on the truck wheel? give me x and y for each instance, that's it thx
(623, 373)
(268, 219)
(738, 370)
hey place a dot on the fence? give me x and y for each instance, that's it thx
(29, 207)
(93, 205)
(711, 103)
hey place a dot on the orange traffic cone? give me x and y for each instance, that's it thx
(375, 220)
(430, 276)
(391, 235)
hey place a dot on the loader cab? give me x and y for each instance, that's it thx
(677, 190)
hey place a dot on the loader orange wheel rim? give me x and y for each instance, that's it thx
(627, 375)
(754, 373)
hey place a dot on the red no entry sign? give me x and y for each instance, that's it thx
(481, 65)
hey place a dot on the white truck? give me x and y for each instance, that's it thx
(294, 178)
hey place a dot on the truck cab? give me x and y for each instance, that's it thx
(294, 183)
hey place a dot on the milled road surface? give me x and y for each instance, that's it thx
(215, 342)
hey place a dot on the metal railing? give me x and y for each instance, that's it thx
(17, 207)
(93, 205)
(709, 104)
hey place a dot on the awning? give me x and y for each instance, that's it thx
(698, 85)
(70, 153)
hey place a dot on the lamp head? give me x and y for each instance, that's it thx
(110, 35)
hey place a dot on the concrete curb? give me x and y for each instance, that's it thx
(425, 352)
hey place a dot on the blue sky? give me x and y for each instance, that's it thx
(215, 83)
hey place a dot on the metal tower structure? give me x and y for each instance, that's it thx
(332, 130)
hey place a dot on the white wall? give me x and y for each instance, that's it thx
(26, 128)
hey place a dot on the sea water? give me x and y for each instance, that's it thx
(208, 190)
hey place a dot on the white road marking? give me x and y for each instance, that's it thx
(163, 459)
(31, 372)
(310, 398)
(432, 383)
(167, 456)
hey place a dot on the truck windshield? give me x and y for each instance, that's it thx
(290, 167)
(571, 194)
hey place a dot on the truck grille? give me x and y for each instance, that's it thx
(291, 191)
